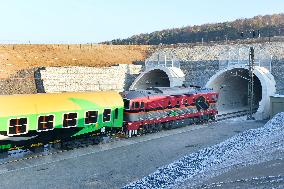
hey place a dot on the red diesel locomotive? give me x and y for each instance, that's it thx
(163, 107)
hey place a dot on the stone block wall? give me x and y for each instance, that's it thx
(73, 79)
(199, 72)
(199, 63)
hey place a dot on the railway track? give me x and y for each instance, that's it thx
(235, 114)
(50, 150)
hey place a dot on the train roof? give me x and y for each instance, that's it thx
(56, 102)
(164, 91)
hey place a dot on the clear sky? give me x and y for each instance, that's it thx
(83, 21)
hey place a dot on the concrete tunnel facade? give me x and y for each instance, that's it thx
(159, 77)
(231, 84)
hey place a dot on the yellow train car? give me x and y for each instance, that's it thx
(57, 115)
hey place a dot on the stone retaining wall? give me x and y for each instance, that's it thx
(199, 63)
(69, 79)
(199, 72)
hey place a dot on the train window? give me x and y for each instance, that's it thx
(116, 113)
(70, 120)
(177, 104)
(185, 102)
(45, 122)
(142, 105)
(132, 106)
(106, 115)
(18, 126)
(126, 104)
(91, 117)
(136, 104)
(169, 104)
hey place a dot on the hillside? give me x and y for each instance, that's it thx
(14, 58)
(258, 26)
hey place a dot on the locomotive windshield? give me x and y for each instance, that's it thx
(126, 103)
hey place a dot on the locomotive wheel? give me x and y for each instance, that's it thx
(171, 125)
(212, 117)
(166, 125)
(140, 131)
(206, 118)
(190, 121)
(146, 128)
(196, 120)
(149, 129)
(159, 126)
(152, 128)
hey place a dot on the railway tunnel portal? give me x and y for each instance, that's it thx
(232, 85)
(164, 71)
(230, 81)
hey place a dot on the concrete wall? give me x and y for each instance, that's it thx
(159, 77)
(276, 104)
(199, 63)
(67, 79)
(199, 72)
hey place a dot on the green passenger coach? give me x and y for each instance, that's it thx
(39, 118)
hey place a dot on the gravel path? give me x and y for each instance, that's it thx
(249, 148)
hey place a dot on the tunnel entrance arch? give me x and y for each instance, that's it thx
(162, 69)
(232, 85)
(159, 77)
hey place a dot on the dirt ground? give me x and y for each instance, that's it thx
(17, 57)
